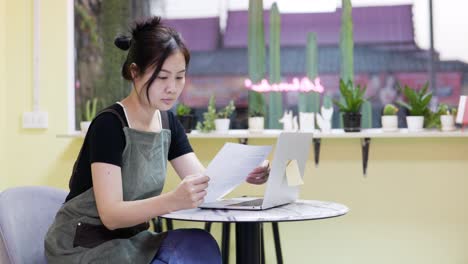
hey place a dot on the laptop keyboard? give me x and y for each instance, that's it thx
(256, 202)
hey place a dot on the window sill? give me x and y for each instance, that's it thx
(335, 133)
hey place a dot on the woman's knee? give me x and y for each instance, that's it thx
(196, 243)
(195, 237)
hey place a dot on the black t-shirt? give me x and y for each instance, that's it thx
(105, 142)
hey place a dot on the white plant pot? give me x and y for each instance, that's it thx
(415, 123)
(256, 124)
(84, 126)
(390, 123)
(447, 122)
(222, 125)
(307, 121)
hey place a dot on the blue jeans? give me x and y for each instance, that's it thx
(188, 246)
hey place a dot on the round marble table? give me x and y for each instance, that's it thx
(248, 223)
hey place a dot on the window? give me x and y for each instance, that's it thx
(387, 52)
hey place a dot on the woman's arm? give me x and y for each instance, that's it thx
(190, 164)
(187, 164)
(116, 213)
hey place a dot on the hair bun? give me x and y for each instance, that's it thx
(122, 42)
(142, 25)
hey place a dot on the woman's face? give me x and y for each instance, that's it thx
(168, 85)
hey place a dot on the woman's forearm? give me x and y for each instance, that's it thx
(130, 213)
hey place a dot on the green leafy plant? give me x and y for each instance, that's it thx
(227, 111)
(390, 110)
(417, 101)
(257, 109)
(209, 117)
(256, 113)
(353, 97)
(183, 110)
(90, 109)
(432, 119)
(444, 109)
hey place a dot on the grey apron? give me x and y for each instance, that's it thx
(78, 235)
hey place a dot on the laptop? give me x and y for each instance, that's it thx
(290, 146)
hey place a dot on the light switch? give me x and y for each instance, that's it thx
(35, 119)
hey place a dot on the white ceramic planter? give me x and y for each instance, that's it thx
(84, 126)
(306, 121)
(390, 123)
(222, 125)
(447, 122)
(256, 124)
(415, 123)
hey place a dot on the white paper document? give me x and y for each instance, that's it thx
(231, 166)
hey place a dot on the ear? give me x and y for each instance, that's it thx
(134, 70)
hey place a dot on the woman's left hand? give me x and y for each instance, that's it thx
(260, 174)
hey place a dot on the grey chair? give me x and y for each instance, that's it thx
(25, 215)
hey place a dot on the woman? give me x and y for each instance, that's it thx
(115, 187)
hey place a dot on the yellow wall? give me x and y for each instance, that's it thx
(410, 209)
(2, 84)
(34, 156)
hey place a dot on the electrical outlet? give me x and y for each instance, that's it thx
(35, 119)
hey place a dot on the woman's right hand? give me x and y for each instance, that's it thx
(190, 193)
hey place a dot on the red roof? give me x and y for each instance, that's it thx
(372, 25)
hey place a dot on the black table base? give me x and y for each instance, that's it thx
(248, 243)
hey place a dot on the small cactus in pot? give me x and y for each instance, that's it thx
(89, 114)
(390, 118)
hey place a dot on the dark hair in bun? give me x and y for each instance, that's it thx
(151, 43)
(122, 42)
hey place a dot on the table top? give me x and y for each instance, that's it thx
(298, 211)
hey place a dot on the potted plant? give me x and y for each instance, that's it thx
(417, 105)
(390, 118)
(447, 117)
(353, 98)
(209, 117)
(223, 120)
(89, 114)
(256, 120)
(184, 114)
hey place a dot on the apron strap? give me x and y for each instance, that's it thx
(165, 120)
(81, 149)
(116, 114)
